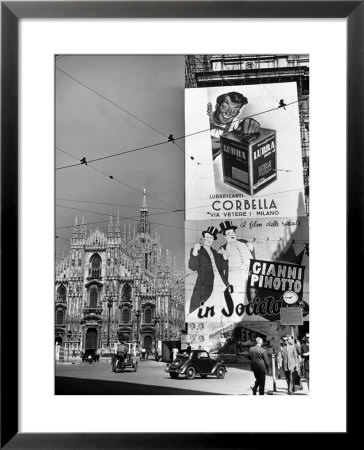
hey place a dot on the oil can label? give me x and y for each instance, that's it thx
(264, 162)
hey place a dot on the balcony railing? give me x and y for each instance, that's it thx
(96, 310)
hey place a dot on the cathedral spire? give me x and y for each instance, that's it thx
(117, 227)
(144, 205)
(143, 225)
(125, 233)
(75, 231)
(110, 229)
(83, 228)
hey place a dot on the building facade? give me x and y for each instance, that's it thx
(117, 287)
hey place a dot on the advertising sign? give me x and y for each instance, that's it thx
(291, 316)
(271, 283)
(243, 152)
(245, 270)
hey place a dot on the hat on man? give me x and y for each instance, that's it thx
(211, 230)
(227, 225)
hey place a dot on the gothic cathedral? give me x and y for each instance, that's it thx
(117, 287)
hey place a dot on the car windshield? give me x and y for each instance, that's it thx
(202, 355)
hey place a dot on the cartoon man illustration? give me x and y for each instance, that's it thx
(237, 254)
(209, 266)
(223, 119)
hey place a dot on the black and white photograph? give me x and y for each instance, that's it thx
(179, 213)
(147, 293)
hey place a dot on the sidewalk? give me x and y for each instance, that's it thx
(281, 387)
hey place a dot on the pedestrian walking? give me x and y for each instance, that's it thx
(259, 365)
(189, 349)
(305, 354)
(288, 360)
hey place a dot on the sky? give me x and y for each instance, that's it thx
(112, 104)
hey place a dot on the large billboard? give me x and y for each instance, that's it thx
(243, 152)
(245, 270)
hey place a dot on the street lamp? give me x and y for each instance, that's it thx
(137, 315)
(69, 334)
(156, 321)
(109, 305)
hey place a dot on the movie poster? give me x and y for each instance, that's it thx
(245, 270)
(243, 152)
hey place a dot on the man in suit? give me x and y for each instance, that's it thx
(288, 360)
(208, 264)
(236, 254)
(259, 365)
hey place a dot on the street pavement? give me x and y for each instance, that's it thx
(77, 378)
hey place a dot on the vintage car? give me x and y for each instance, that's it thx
(197, 363)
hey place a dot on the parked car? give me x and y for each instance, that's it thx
(197, 363)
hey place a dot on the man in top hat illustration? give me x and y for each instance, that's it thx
(209, 266)
(237, 254)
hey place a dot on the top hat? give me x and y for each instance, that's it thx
(211, 230)
(227, 225)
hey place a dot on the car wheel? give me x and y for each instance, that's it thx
(220, 373)
(190, 374)
(174, 375)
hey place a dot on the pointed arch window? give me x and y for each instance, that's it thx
(148, 315)
(126, 315)
(59, 317)
(61, 294)
(126, 293)
(94, 295)
(95, 266)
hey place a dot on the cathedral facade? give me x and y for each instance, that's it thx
(117, 287)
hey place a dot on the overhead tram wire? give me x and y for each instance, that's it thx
(186, 209)
(116, 105)
(124, 218)
(168, 141)
(131, 187)
(110, 101)
(105, 203)
(111, 177)
(137, 218)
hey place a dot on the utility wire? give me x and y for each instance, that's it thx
(117, 105)
(131, 187)
(175, 139)
(105, 203)
(110, 101)
(137, 218)
(119, 181)
(124, 218)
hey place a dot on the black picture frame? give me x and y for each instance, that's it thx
(11, 13)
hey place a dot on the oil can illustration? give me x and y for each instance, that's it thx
(249, 162)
